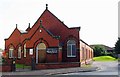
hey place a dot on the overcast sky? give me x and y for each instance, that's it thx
(98, 19)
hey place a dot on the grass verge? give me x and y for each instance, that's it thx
(22, 66)
(104, 58)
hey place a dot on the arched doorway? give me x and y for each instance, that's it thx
(40, 53)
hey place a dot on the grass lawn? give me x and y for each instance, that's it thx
(22, 66)
(104, 58)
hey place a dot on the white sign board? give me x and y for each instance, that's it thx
(31, 52)
(52, 50)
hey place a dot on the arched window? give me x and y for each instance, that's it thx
(71, 48)
(24, 50)
(19, 52)
(41, 46)
(11, 49)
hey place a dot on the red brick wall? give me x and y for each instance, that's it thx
(5, 68)
(60, 56)
(32, 43)
(57, 65)
(88, 51)
(14, 39)
(26, 60)
(51, 58)
(70, 59)
(54, 25)
(37, 38)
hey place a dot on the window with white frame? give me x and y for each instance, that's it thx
(19, 52)
(71, 48)
(24, 50)
(11, 52)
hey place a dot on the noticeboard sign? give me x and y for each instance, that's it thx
(52, 50)
(31, 51)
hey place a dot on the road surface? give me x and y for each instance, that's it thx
(106, 69)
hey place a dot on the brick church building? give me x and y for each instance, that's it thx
(50, 42)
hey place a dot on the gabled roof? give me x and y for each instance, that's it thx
(28, 29)
(57, 37)
(75, 28)
(51, 23)
(16, 29)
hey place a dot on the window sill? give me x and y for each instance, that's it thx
(10, 57)
(71, 56)
(19, 58)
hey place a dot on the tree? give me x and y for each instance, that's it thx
(117, 46)
(98, 51)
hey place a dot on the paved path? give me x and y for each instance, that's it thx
(52, 71)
